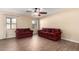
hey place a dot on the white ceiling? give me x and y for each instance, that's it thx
(22, 11)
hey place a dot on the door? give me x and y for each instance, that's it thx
(10, 27)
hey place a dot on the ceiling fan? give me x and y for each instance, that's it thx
(37, 11)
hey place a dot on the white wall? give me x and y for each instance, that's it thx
(2, 27)
(24, 22)
(67, 21)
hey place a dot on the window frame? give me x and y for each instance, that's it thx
(11, 23)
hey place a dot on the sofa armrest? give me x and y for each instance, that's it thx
(16, 31)
(31, 30)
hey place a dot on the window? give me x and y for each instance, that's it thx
(11, 23)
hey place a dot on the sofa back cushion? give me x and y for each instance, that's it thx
(45, 29)
(56, 30)
(51, 30)
(22, 29)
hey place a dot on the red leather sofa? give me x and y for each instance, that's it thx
(50, 33)
(23, 33)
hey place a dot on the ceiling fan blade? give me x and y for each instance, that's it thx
(43, 12)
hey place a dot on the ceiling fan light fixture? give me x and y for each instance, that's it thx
(35, 14)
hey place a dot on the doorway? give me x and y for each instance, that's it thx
(35, 25)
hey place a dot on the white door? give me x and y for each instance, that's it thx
(35, 25)
(10, 28)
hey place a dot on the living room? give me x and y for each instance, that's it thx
(30, 29)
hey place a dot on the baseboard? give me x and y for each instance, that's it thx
(11, 38)
(8, 38)
(3, 39)
(70, 40)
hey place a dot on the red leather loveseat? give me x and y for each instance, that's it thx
(50, 33)
(23, 33)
